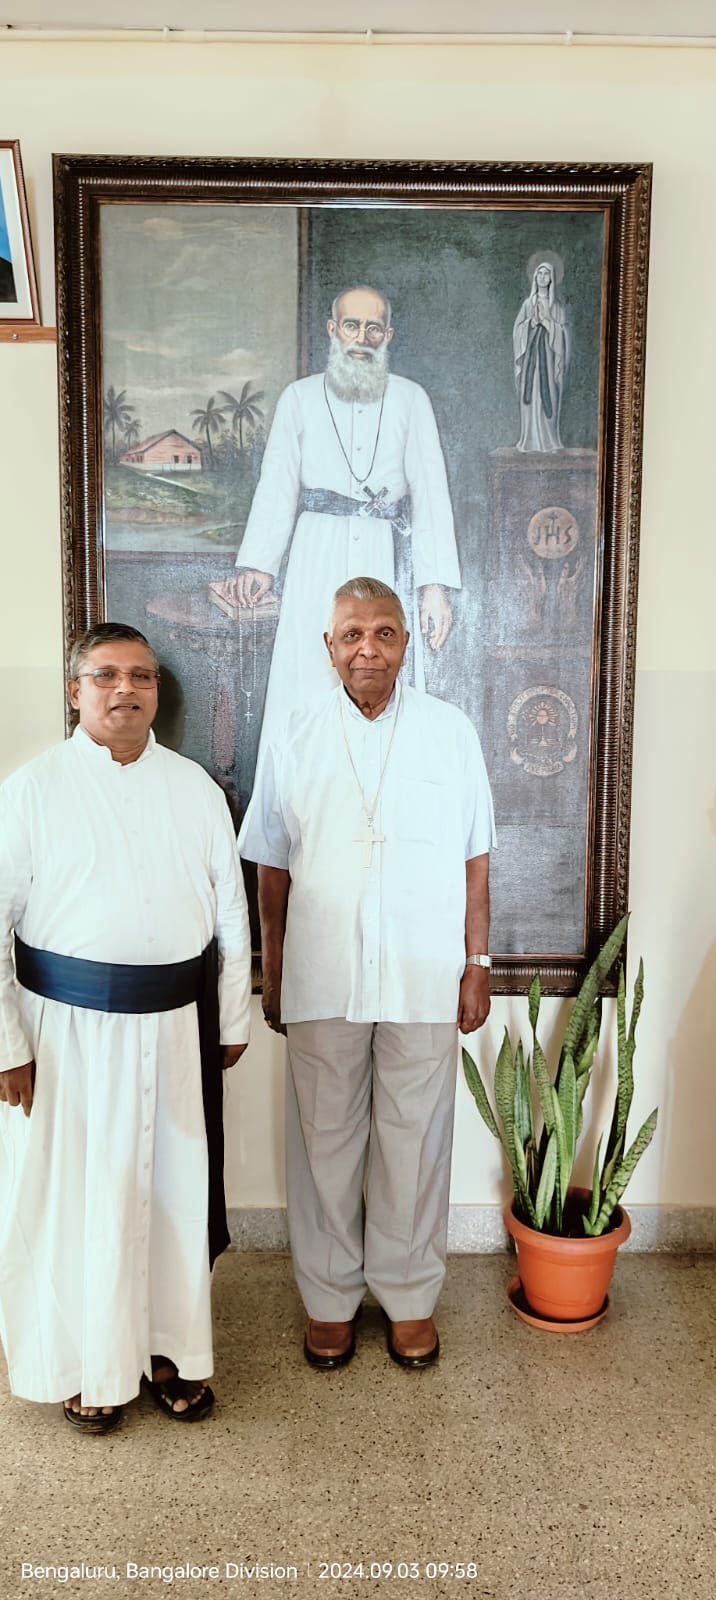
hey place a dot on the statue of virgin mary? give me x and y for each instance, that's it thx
(541, 353)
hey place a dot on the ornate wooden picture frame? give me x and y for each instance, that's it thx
(193, 294)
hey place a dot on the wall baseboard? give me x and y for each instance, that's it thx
(480, 1230)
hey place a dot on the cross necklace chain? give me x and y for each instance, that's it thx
(369, 837)
(344, 452)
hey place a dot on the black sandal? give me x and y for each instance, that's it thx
(166, 1391)
(101, 1423)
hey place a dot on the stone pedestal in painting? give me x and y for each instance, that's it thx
(543, 533)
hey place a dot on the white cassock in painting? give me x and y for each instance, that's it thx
(353, 462)
(541, 353)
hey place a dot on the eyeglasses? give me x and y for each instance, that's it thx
(373, 332)
(106, 677)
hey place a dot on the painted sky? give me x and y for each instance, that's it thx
(197, 299)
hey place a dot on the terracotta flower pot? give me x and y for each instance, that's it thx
(566, 1280)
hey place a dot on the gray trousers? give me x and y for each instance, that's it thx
(369, 1117)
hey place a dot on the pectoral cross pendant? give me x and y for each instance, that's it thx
(369, 838)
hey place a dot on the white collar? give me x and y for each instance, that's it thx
(353, 710)
(102, 752)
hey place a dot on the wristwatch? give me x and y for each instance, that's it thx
(478, 961)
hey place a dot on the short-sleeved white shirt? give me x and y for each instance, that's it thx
(385, 941)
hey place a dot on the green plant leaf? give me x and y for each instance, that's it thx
(626, 1045)
(544, 1085)
(521, 1166)
(567, 1097)
(583, 1064)
(523, 1100)
(505, 1089)
(611, 1165)
(596, 1187)
(534, 998)
(625, 1088)
(621, 1012)
(524, 1204)
(547, 1181)
(564, 1165)
(505, 1092)
(613, 1143)
(521, 1180)
(531, 1165)
(582, 1087)
(479, 1093)
(625, 1052)
(638, 998)
(579, 1020)
(624, 1172)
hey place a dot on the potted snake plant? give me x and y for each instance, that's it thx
(566, 1238)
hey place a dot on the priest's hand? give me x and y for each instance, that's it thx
(474, 1002)
(249, 587)
(230, 1054)
(272, 1003)
(435, 615)
(274, 888)
(16, 1086)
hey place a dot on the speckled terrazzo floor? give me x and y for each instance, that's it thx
(579, 1468)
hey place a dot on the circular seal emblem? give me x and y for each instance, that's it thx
(542, 730)
(553, 533)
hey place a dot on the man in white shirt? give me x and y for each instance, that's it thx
(119, 877)
(353, 463)
(371, 821)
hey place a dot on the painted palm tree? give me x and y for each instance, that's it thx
(117, 416)
(208, 422)
(131, 433)
(245, 411)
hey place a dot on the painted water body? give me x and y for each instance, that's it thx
(147, 538)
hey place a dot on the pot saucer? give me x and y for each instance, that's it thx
(522, 1308)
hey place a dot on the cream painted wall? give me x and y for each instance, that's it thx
(442, 102)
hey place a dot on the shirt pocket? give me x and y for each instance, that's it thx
(425, 812)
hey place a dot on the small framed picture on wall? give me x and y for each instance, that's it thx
(18, 286)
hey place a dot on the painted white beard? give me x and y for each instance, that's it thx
(352, 380)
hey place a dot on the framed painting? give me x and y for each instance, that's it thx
(218, 475)
(18, 286)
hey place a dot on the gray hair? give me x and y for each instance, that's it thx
(103, 633)
(366, 589)
(364, 288)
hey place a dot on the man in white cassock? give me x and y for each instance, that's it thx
(372, 823)
(121, 881)
(352, 464)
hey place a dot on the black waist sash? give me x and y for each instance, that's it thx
(135, 991)
(329, 504)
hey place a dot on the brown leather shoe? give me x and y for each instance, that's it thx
(329, 1344)
(413, 1344)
